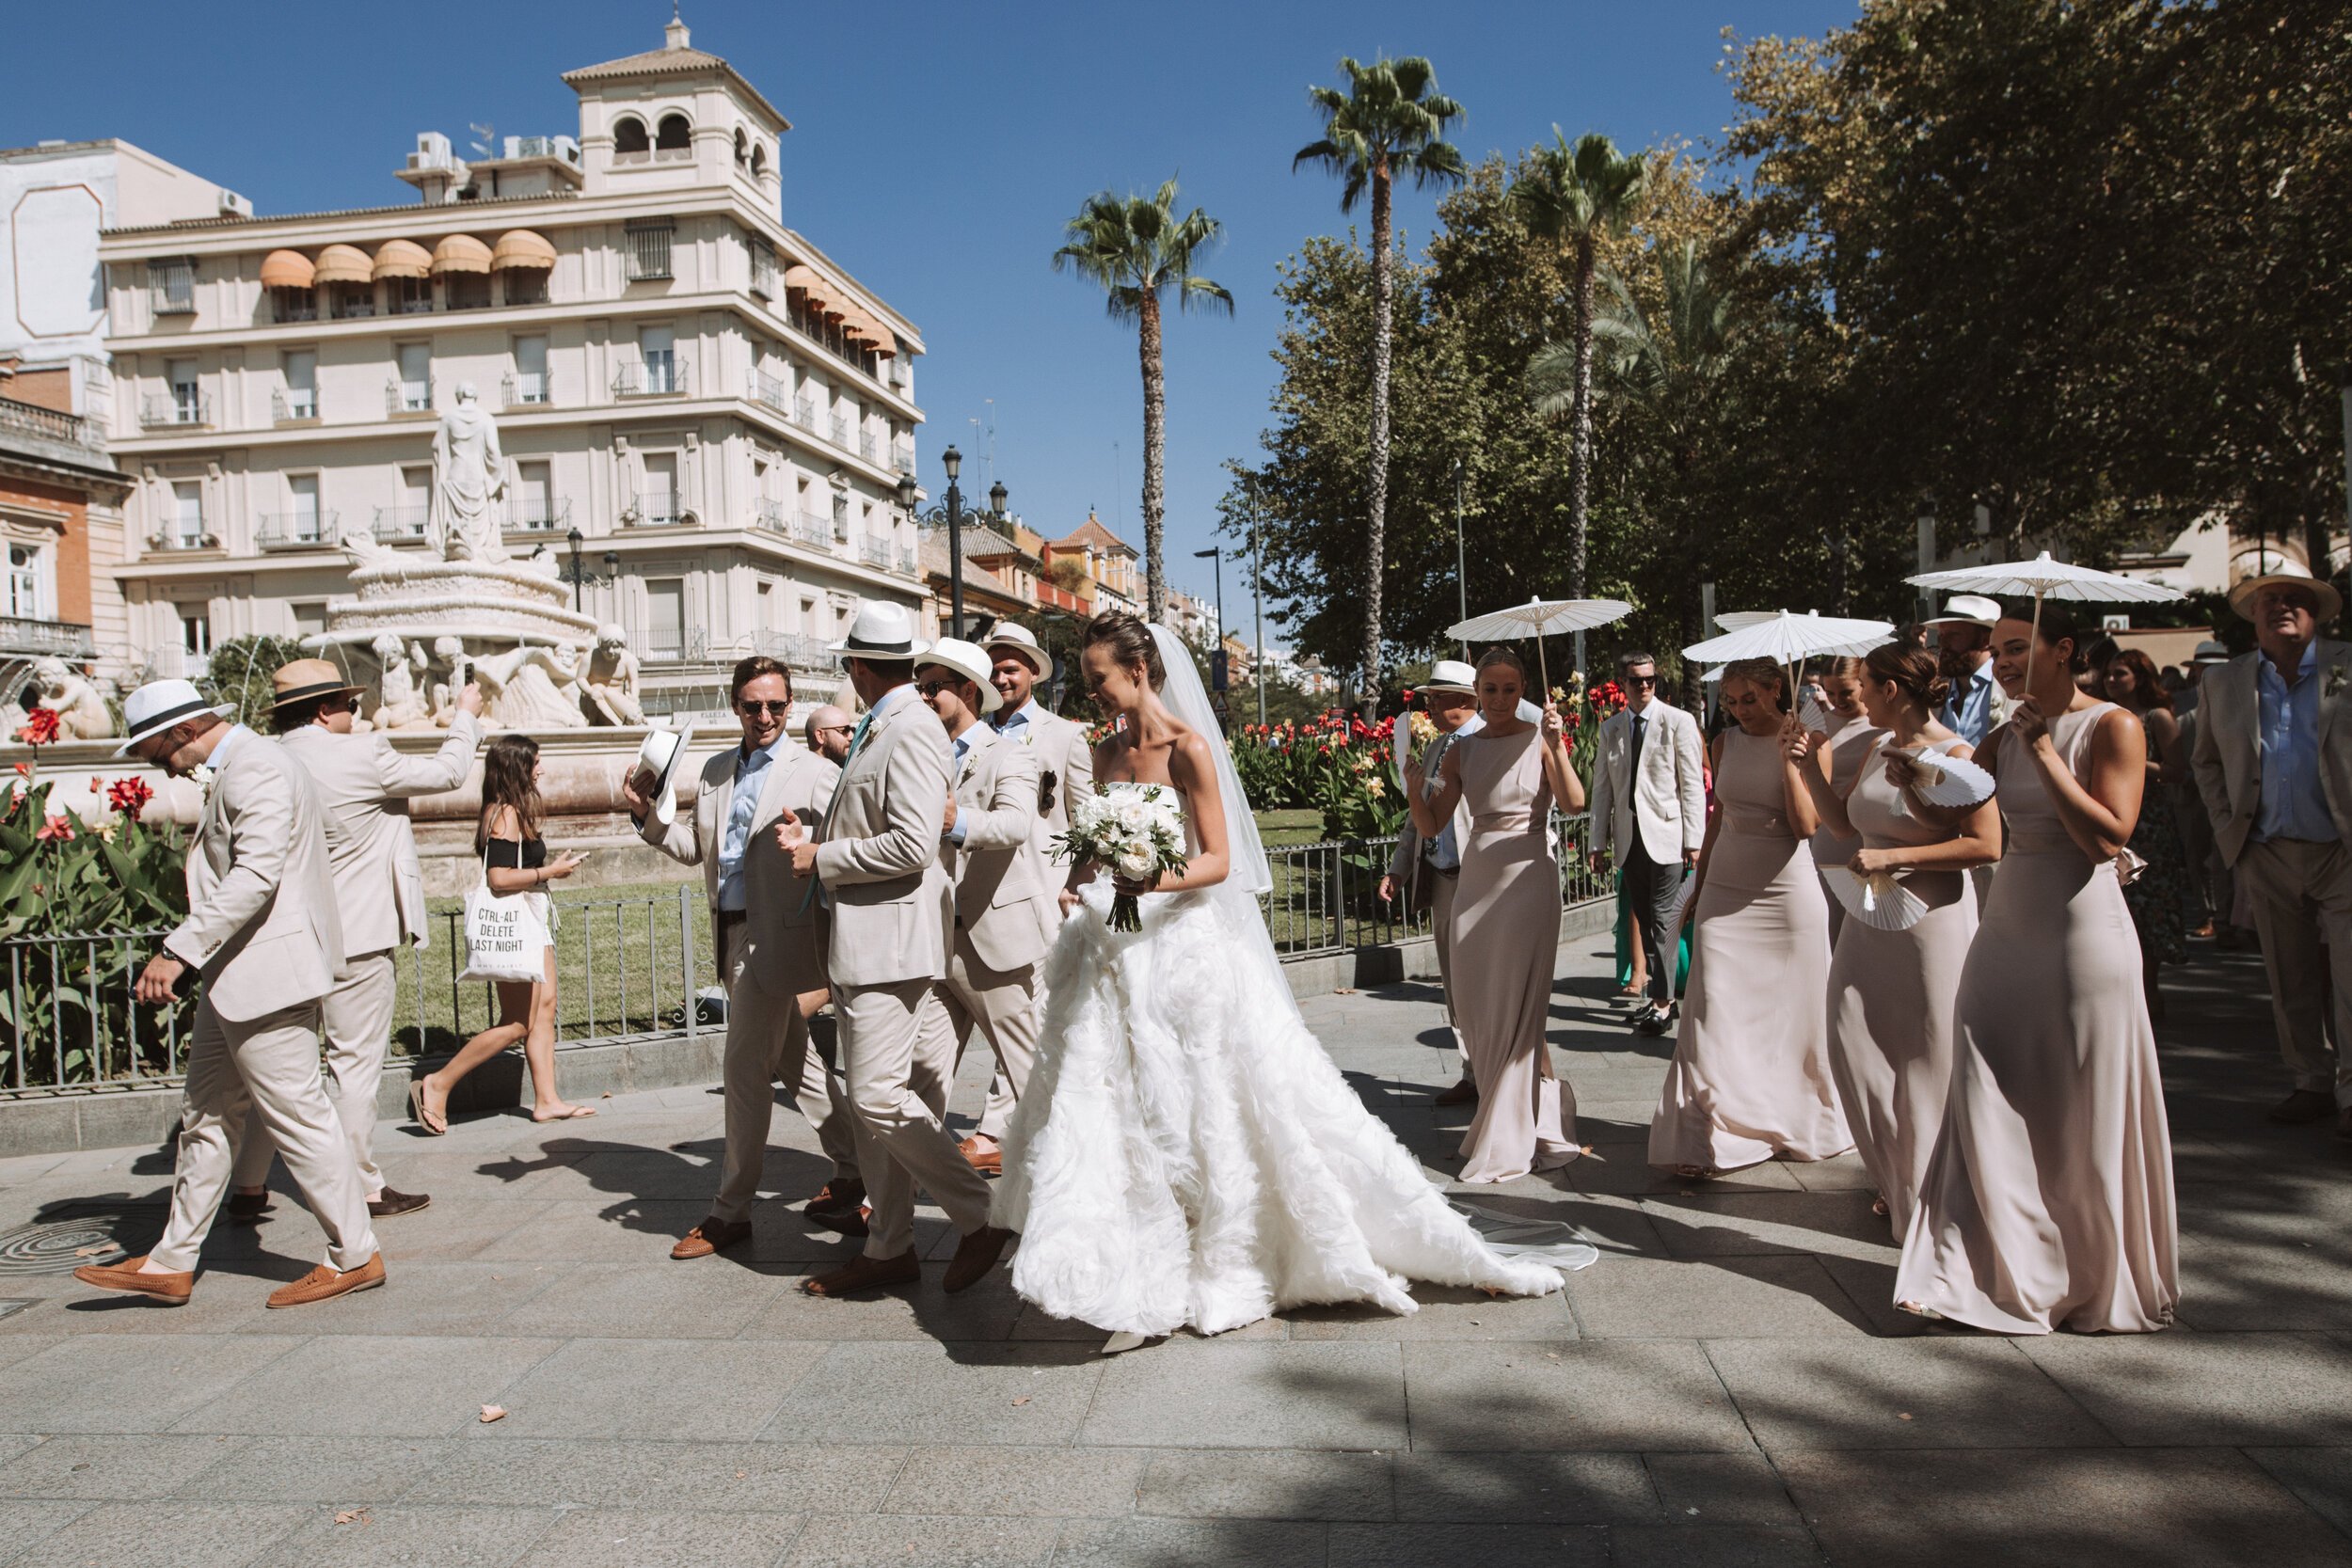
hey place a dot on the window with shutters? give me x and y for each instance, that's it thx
(649, 250)
(665, 617)
(172, 285)
(763, 267)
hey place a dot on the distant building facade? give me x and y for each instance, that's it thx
(694, 402)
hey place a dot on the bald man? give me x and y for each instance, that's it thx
(828, 734)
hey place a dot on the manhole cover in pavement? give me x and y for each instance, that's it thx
(78, 1234)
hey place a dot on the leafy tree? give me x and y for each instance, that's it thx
(1137, 250)
(1572, 195)
(1391, 119)
(241, 670)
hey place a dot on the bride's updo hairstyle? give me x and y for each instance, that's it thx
(1130, 644)
(1910, 670)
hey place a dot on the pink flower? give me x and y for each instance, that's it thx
(57, 830)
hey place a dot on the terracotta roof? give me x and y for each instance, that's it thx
(935, 558)
(986, 544)
(263, 219)
(1092, 532)
(673, 62)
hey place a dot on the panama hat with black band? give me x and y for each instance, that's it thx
(159, 705)
(1022, 643)
(881, 634)
(967, 661)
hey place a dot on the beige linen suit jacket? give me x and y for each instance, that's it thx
(1005, 908)
(1667, 803)
(364, 784)
(1062, 749)
(888, 899)
(1408, 865)
(2227, 756)
(263, 927)
(780, 933)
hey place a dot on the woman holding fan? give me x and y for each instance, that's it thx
(1848, 740)
(1751, 1079)
(1891, 985)
(2048, 1201)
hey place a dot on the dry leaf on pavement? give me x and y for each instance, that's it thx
(352, 1516)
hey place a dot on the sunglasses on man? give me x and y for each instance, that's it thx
(752, 707)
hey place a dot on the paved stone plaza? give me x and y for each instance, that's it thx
(1728, 1386)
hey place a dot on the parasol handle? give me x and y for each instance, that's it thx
(2031, 642)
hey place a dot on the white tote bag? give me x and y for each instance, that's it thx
(505, 940)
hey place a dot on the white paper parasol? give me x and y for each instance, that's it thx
(1539, 619)
(1789, 640)
(2044, 578)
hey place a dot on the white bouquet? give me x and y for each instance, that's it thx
(1136, 832)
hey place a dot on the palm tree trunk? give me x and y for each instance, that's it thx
(1154, 456)
(1377, 492)
(1581, 417)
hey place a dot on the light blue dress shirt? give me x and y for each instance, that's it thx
(2293, 804)
(1968, 711)
(1019, 718)
(955, 835)
(751, 773)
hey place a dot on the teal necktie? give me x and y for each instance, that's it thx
(857, 737)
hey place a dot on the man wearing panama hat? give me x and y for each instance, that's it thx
(1426, 871)
(2273, 761)
(1065, 759)
(264, 933)
(365, 786)
(1964, 656)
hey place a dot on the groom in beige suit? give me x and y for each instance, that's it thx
(365, 786)
(263, 932)
(887, 907)
(1005, 911)
(764, 930)
(2274, 765)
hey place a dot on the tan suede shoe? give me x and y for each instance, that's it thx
(172, 1290)
(324, 1283)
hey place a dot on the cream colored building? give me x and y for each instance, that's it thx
(719, 410)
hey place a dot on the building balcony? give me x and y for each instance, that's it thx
(295, 406)
(48, 425)
(539, 514)
(768, 512)
(805, 412)
(408, 399)
(868, 447)
(902, 456)
(841, 430)
(661, 375)
(400, 525)
(814, 528)
(524, 389)
(1052, 596)
(24, 636)
(296, 530)
(187, 408)
(768, 389)
(906, 560)
(183, 539)
(876, 553)
(653, 509)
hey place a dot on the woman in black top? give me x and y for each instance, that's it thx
(515, 860)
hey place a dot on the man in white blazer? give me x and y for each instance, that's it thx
(365, 786)
(1006, 908)
(888, 912)
(1065, 759)
(263, 932)
(2273, 761)
(1649, 813)
(1425, 872)
(765, 933)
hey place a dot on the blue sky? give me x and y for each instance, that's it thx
(936, 151)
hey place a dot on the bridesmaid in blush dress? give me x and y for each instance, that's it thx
(2048, 1201)
(1839, 751)
(1506, 921)
(1750, 1079)
(1890, 992)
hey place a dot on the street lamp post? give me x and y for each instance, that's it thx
(573, 538)
(1216, 553)
(1257, 589)
(1461, 573)
(952, 461)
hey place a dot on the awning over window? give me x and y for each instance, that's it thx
(342, 263)
(461, 253)
(822, 294)
(403, 259)
(288, 269)
(520, 247)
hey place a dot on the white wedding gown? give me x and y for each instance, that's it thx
(1185, 1154)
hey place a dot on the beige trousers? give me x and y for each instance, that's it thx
(358, 1028)
(270, 1067)
(1441, 890)
(1004, 1005)
(2302, 896)
(767, 1042)
(897, 1059)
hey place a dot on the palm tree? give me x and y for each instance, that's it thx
(1138, 250)
(1390, 119)
(1572, 195)
(1671, 364)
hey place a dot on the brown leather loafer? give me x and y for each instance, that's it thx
(1463, 1093)
(389, 1202)
(712, 1235)
(837, 1197)
(988, 1159)
(2303, 1105)
(975, 1256)
(172, 1290)
(324, 1283)
(867, 1274)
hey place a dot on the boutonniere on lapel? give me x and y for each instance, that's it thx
(2331, 681)
(202, 775)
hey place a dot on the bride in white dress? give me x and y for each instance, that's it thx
(1185, 1153)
